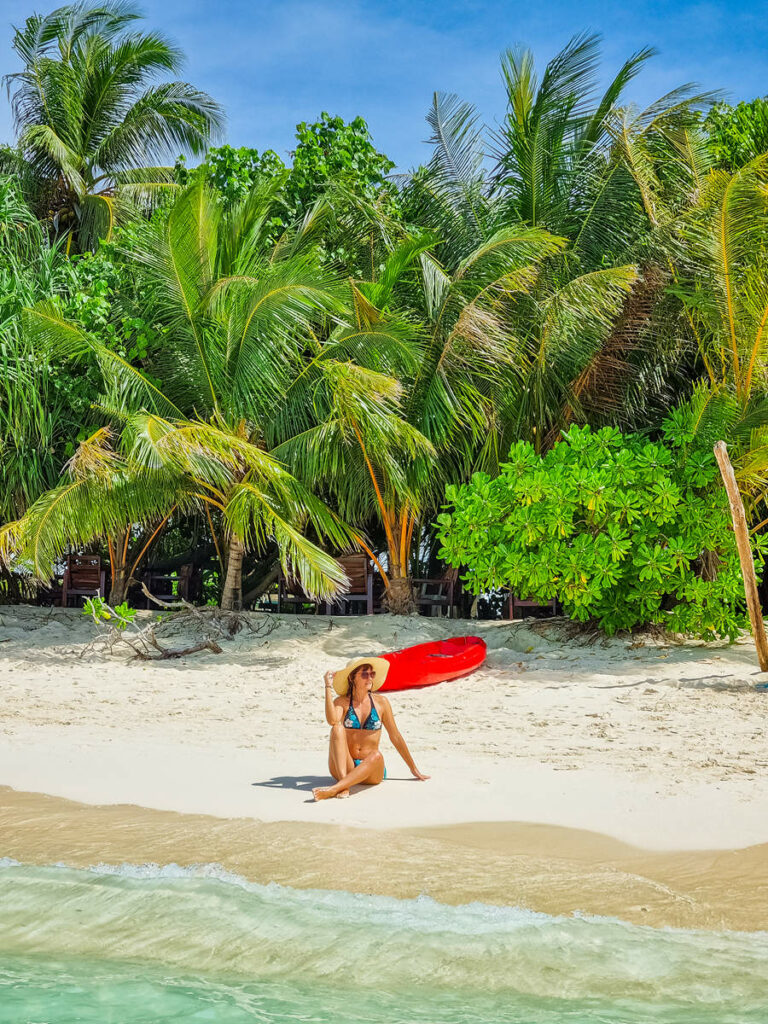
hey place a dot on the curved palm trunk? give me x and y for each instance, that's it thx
(118, 565)
(123, 565)
(232, 594)
(119, 589)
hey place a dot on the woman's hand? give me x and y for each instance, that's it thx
(419, 775)
(329, 680)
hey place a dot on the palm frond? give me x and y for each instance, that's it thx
(165, 117)
(255, 517)
(79, 511)
(125, 383)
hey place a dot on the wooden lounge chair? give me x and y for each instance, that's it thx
(83, 577)
(436, 594)
(170, 586)
(360, 574)
(513, 603)
(291, 594)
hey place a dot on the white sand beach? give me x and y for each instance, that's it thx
(657, 745)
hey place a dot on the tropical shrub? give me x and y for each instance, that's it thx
(736, 135)
(621, 530)
(330, 150)
(233, 172)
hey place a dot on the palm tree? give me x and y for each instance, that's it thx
(91, 120)
(102, 495)
(548, 143)
(562, 342)
(238, 311)
(722, 282)
(400, 394)
(726, 237)
(610, 181)
(589, 167)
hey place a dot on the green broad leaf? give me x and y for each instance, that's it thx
(619, 529)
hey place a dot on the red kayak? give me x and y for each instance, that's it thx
(427, 664)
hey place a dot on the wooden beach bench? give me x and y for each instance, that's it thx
(83, 577)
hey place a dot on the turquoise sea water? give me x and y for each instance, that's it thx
(128, 945)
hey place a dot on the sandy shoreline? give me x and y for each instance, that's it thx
(543, 868)
(661, 747)
(642, 810)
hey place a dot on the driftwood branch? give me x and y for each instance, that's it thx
(143, 641)
(172, 605)
(204, 645)
(224, 624)
(745, 553)
(212, 623)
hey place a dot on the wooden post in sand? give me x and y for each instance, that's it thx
(745, 553)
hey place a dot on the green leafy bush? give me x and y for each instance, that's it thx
(621, 530)
(234, 172)
(326, 150)
(332, 150)
(736, 135)
(121, 616)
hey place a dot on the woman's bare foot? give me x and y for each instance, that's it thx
(326, 792)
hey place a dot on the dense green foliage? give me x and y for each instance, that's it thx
(231, 304)
(736, 135)
(265, 360)
(38, 404)
(618, 528)
(331, 150)
(233, 173)
(328, 151)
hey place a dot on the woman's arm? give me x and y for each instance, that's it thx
(388, 720)
(333, 712)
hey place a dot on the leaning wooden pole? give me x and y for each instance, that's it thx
(745, 553)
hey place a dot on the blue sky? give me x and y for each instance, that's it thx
(278, 62)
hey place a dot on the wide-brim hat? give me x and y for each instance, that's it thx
(341, 678)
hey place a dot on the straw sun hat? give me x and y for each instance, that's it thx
(341, 678)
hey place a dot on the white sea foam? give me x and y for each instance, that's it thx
(206, 920)
(468, 918)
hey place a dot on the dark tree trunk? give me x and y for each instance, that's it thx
(232, 594)
(400, 596)
(120, 583)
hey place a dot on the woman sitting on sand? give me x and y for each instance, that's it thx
(356, 718)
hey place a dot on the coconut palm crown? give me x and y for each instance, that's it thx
(93, 120)
(238, 311)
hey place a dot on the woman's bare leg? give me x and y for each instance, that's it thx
(340, 761)
(370, 770)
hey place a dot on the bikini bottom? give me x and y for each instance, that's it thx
(357, 762)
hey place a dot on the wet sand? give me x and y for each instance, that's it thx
(545, 868)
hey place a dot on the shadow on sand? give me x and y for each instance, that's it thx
(305, 782)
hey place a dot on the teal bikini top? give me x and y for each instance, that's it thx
(372, 722)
